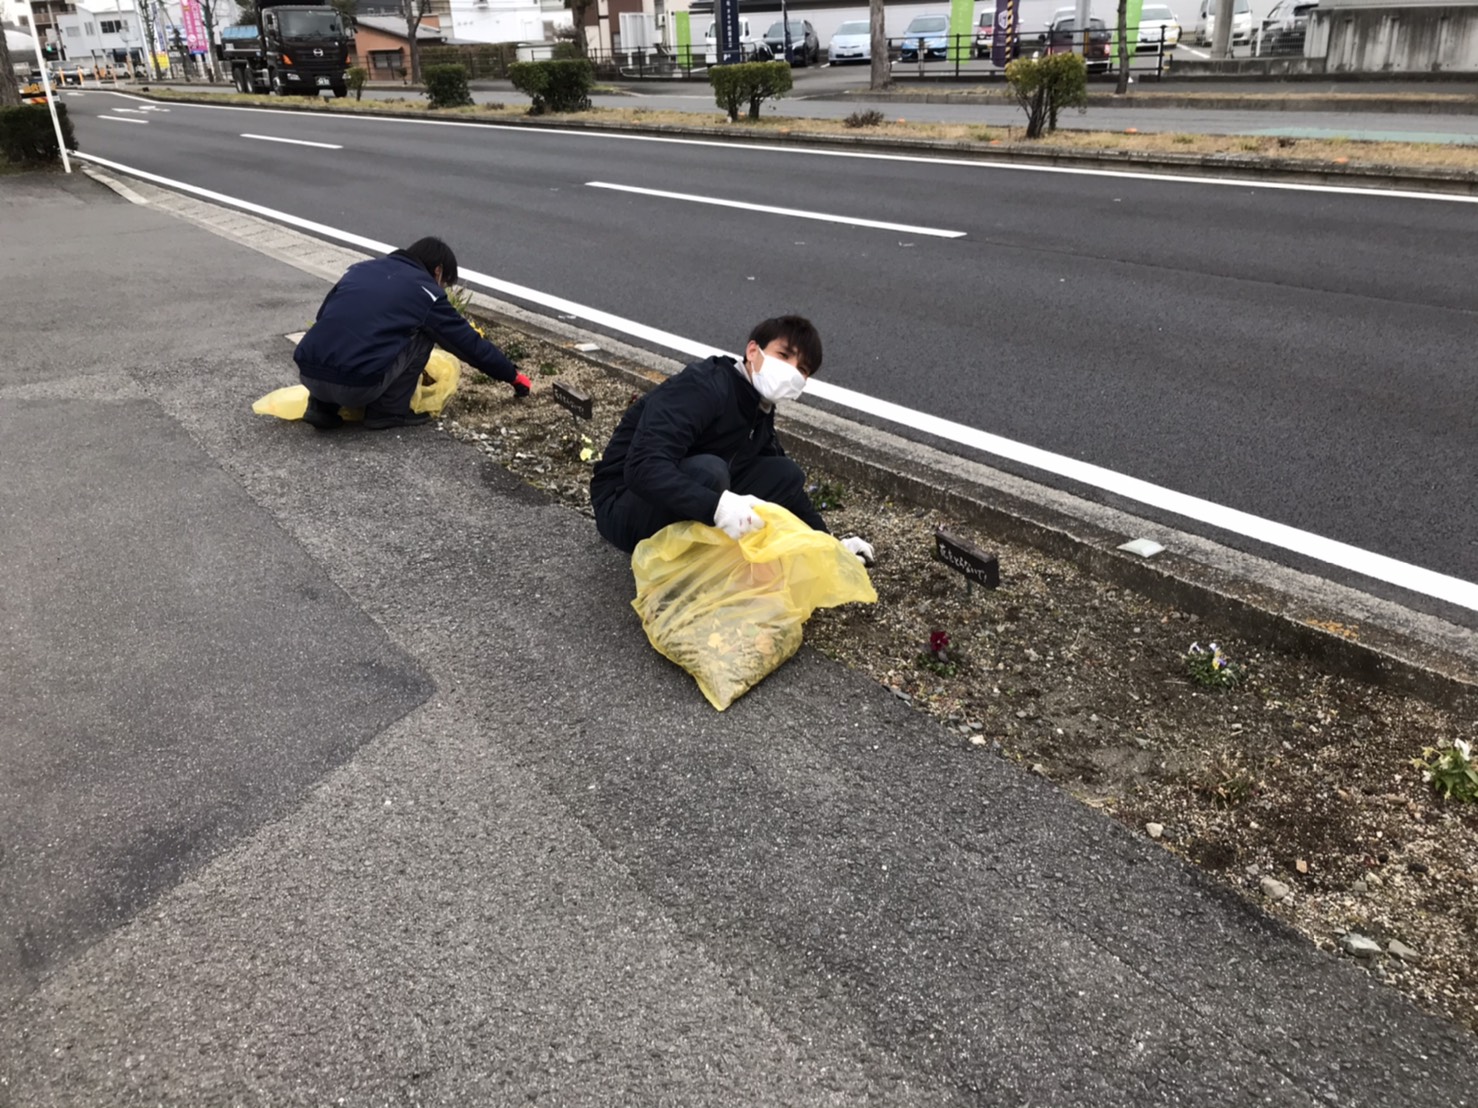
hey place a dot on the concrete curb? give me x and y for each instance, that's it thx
(1352, 633)
(1240, 167)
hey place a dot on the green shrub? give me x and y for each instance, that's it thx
(748, 82)
(556, 86)
(1044, 86)
(355, 77)
(27, 137)
(446, 85)
(566, 51)
(869, 118)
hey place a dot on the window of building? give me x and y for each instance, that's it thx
(110, 26)
(87, 27)
(387, 64)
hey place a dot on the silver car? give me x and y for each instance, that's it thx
(851, 43)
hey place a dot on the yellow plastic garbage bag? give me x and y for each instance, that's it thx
(438, 382)
(731, 612)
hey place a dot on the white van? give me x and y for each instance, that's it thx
(748, 41)
(1205, 27)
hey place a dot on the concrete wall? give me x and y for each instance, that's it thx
(1397, 39)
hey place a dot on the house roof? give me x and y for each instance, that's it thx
(390, 25)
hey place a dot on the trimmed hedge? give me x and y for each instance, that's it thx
(748, 82)
(555, 86)
(446, 85)
(27, 137)
(1045, 86)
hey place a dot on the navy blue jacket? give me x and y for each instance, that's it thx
(708, 408)
(374, 310)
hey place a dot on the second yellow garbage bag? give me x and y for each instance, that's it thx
(731, 612)
(438, 382)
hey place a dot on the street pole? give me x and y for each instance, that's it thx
(56, 124)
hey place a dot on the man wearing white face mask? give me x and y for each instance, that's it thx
(702, 444)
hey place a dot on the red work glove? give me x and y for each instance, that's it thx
(522, 385)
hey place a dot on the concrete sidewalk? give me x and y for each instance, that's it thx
(337, 769)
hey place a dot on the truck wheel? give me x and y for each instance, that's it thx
(341, 90)
(277, 89)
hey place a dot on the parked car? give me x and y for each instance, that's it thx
(1158, 29)
(748, 42)
(1065, 37)
(805, 47)
(1284, 28)
(985, 33)
(851, 43)
(1205, 28)
(927, 32)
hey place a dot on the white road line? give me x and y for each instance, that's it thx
(825, 217)
(917, 159)
(121, 119)
(131, 111)
(1452, 590)
(1198, 53)
(295, 142)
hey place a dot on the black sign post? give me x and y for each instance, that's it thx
(966, 558)
(726, 28)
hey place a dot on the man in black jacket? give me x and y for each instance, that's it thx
(702, 444)
(374, 333)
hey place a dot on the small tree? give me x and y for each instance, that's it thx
(355, 77)
(414, 11)
(1044, 86)
(748, 82)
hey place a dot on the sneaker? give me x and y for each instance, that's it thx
(389, 422)
(323, 417)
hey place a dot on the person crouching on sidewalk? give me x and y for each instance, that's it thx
(374, 334)
(702, 445)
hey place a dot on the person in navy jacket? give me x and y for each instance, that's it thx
(374, 334)
(702, 445)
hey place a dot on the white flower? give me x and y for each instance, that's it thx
(1462, 747)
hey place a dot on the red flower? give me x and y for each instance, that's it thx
(938, 641)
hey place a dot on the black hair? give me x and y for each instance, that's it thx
(432, 252)
(801, 335)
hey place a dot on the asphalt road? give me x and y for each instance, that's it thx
(1303, 356)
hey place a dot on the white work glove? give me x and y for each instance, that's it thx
(861, 547)
(736, 516)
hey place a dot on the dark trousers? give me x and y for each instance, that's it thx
(624, 520)
(389, 395)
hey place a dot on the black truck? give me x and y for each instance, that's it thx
(291, 50)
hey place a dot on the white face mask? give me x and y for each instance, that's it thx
(776, 380)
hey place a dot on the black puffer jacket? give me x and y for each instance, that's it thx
(708, 408)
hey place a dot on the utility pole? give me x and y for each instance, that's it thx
(1221, 34)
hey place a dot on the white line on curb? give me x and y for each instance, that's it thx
(1404, 575)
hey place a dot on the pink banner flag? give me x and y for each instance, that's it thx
(194, 28)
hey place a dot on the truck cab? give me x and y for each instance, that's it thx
(293, 49)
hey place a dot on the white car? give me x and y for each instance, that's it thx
(1205, 28)
(851, 43)
(749, 42)
(1158, 28)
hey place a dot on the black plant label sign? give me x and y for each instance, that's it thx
(967, 558)
(573, 401)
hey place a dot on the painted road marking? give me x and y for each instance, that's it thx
(916, 159)
(825, 217)
(122, 119)
(1404, 575)
(295, 142)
